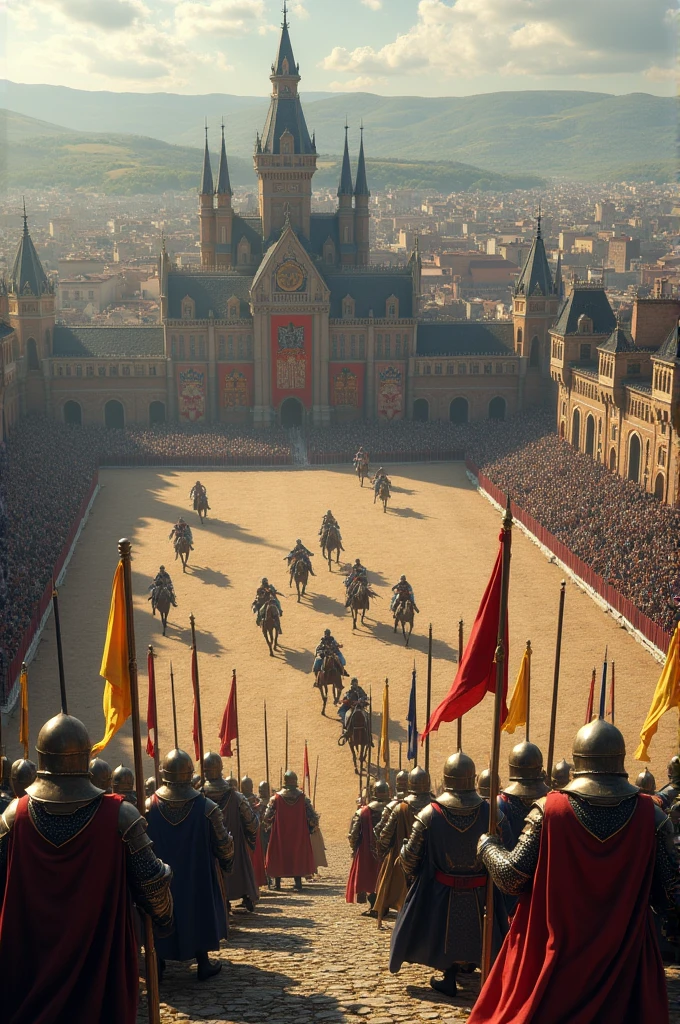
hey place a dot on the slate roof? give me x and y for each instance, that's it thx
(223, 183)
(108, 342)
(361, 188)
(618, 341)
(345, 186)
(670, 350)
(285, 52)
(207, 178)
(209, 292)
(5, 329)
(285, 114)
(535, 278)
(370, 292)
(27, 274)
(464, 337)
(591, 301)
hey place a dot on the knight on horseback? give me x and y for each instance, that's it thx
(328, 645)
(361, 457)
(378, 479)
(199, 495)
(351, 698)
(162, 581)
(299, 553)
(403, 592)
(358, 574)
(266, 592)
(329, 522)
(182, 530)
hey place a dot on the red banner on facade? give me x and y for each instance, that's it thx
(390, 390)
(236, 386)
(191, 393)
(291, 340)
(347, 385)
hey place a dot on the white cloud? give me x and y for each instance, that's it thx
(375, 5)
(520, 37)
(299, 10)
(362, 83)
(217, 17)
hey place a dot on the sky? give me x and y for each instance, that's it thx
(390, 47)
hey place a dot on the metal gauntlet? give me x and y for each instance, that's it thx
(513, 870)
(413, 850)
(354, 836)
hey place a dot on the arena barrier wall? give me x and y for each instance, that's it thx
(380, 458)
(9, 680)
(641, 623)
(198, 461)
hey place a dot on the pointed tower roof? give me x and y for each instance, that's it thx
(559, 283)
(670, 350)
(223, 183)
(285, 110)
(361, 188)
(536, 278)
(345, 186)
(618, 341)
(285, 51)
(27, 273)
(207, 179)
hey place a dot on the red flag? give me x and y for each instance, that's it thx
(591, 697)
(305, 772)
(476, 673)
(229, 727)
(194, 680)
(151, 708)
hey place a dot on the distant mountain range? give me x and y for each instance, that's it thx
(572, 135)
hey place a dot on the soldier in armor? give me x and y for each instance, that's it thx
(328, 645)
(581, 938)
(5, 783)
(357, 573)
(646, 783)
(188, 831)
(266, 592)
(484, 783)
(399, 794)
(199, 496)
(100, 774)
(181, 529)
(258, 809)
(403, 592)
(71, 857)
(390, 837)
(361, 458)
(302, 553)
(23, 775)
(264, 793)
(671, 791)
(150, 786)
(329, 521)
(123, 783)
(527, 784)
(290, 819)
(363, 873)
(161, 581)
(561, 774)
(377, 480)
(440, 923)
(241, 822)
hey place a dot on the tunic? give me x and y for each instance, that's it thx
(363, 873)
(241, 881)
(392, 886)
(289, 854)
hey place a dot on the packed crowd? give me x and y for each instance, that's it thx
(623, 534)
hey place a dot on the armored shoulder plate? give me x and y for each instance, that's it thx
(127, 816)
(210, 806)
(660, 817)
(425, 816)
(7, 817)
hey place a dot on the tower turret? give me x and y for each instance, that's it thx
(362, 216)
(224, 213)
(345, 209)
(206, 212)
(535, 303)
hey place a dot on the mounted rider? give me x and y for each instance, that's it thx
(403, 592)
(377, 481)
(299, 553)
(161, 581)
(182, 531)
(361, 457)
(200, 496)
(358, 574)
(329, 522)
(351, 698)
(328, 645)
(266, 592)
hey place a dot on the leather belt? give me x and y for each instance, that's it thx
(461, 881)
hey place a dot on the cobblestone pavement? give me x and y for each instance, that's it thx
(308, 958)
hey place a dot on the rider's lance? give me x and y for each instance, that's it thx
(556, 682)
(460, 655)
(266, 746)
(60, 650)
(429, 697)
(151, 966)
(174, 706)
(198, 721)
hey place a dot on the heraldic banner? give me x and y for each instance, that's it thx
(236, 386)
(347, 385)
(191, 393)
(390, 391)
(291, 337)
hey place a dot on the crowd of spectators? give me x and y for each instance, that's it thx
(625, 535)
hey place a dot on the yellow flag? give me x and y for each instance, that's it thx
(115, 665)
(23, 711)
(384, 748)
(517, 712)
(666, 696)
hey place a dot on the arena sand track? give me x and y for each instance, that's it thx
(437, 530)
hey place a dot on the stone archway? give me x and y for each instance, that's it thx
(634, 451)
(421, 410)
(590, 435)
(156, 413)
(459, 410)
(612, 460)
(292, 413)
(659, 485)
(576, 429)
(73, 413)
(535, 353)
(497, 408)
(114, 415)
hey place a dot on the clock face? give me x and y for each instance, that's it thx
(290, 276)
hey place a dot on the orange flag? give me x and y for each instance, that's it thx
(115, 666)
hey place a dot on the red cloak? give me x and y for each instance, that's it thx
(363, 874)
(289, 854)
(582, 947)
(257, 859)
(67, 943)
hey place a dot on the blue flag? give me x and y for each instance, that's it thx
(412, 751)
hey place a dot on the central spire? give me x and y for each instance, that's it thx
(345, 186)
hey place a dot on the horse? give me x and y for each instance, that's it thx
(359, 602)
(161, 602)
(330, 542)
(330, 674)
(361, 469)
(384, 492)
(300, 574)
(403, 615)
(271, 626)
(201, 506)
(182, 548)
(356, 733)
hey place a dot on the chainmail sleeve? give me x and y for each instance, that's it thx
(221, 841)
(384, 817)
(385, 838)
(148, 877)
(413, 850)
(354, 835)
(249, 821)
(513, 870)
(312, 816)
(665, 892)
(269, 815)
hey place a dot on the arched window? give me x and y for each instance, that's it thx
(659, 486)
(156, 413)
(590, 435)
(519, 341)
(535, 353)
(459, 410)
(243, 252)
(576, 428)
(421, 410)
(612, 460)
(73, 413)
(497, 408)
(32, 354)
(634, 458)
(562, 429)
(114, 415)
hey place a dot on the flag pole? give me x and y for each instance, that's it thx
(174, 706)
(591, 697)
(556, 682)
(527, 712)
(151, 967)
(60, 650)
(611, 693)
(501, 653)
(400, 746)
(459, 723)
(197, 694)
(603, 687)
(429, 697)
(266, 745)
(238, 735)
(23, 715)
(286, 768)
(156, 752)
(316, 776)
(370, 744)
